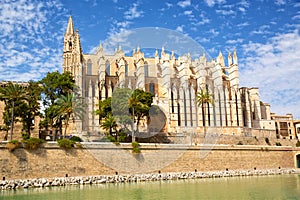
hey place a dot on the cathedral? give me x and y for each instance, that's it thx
(174, 82)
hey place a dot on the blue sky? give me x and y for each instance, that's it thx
(265, 34)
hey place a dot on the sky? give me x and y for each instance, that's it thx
(265, 34)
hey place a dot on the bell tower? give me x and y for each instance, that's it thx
(72, 55)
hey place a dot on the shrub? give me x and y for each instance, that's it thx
(25, 136)
(278, 144)
(76, 139)
(12, 145)
(240, 143)
(32, 143)
(298, 143)
(135, 147)
(65, 143)
(267, 141)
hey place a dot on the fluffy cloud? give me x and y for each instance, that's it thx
(274, 68)
(184, 4)
(24, 25)
(211, 3)
(133, 13)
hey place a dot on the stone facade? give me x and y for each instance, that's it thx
(174, 83)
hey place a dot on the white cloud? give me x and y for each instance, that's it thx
(211, 3)
(187, 12)
(280, 2)
(213, 32)
(264, 29)
(26, 33)
(274, 68)
(133, 13)
(184, 3)
(239, 40)
(180, 28)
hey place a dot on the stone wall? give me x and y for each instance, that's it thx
(107, 159)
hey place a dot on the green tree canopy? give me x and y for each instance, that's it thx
(12, 94)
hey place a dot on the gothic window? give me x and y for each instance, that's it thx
(107, 68)
(70, 45)
(146, 70)
(172, 100)
(152, 88)
(126, 69)
(89, 67)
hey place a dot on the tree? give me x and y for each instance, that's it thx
(104, 108)
(30, 108)
(128, 108)
(203, 99)
(12, 94)
(68, 106)
(110, 125)
(54, 85)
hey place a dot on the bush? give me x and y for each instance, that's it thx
(278, 144)
(298, 143)
(32, 143)
(25, 136)
(76, 139)
(267, 141)
(135, 147)
(12, 145)
(65, 143)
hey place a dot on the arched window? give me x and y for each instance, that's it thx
(107, 68)
(152, 88)
(146, 70)
(89, 67)
(126, 69)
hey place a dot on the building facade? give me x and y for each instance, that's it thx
(174, 83)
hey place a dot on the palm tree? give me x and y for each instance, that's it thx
(203, 99)
(109, 124)
(68, 106)
(10, 94)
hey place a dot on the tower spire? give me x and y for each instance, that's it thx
(70, 27)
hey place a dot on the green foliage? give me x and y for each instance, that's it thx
(65, 143)
(67, 106)
(298, 143)
(110, 125)
(14, 142)
(135, 147)
(31, 108)
(267, 141)
(25, 136)
(104, 108)
(12, 95)
(203, 97)
(76, 139)
(278, 144)
(32, 143)
(54, 85)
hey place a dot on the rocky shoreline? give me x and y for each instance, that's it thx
(84, 180)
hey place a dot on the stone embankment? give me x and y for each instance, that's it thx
(64, 181)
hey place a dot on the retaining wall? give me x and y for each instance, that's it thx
(107, 159)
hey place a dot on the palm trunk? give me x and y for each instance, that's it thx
(204, 111)
(133, 136)
(67, 122)
(12, 120)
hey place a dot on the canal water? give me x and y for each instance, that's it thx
(253, 187)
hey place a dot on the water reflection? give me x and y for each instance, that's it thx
(255, 187)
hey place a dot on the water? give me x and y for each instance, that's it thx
(263, 187)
